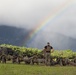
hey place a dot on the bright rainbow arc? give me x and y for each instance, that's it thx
(47, 20)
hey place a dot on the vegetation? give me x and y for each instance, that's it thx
(32, 51)
(15, 69)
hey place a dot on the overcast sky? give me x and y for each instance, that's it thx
(30, 13)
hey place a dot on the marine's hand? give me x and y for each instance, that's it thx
(52, 50)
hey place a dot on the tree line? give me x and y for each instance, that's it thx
(24, 51)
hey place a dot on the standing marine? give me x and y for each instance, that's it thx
(47, 53)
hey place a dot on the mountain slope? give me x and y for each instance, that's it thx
(15, 36)
(58, 41)
(12, 35)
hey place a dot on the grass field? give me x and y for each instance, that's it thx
(22, 69)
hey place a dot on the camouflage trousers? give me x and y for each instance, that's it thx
(47, 58)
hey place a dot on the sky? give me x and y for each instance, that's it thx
(31, 13)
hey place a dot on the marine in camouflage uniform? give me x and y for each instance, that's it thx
(18, 59)
(3, 59)
(14, 59)
(47, 51)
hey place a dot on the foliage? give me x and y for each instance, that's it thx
(64, 53)
(34, 51)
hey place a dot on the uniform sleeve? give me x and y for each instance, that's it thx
(45, 47)
(51, 47)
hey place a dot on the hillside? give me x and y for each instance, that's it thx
(58, 41)
(15, 36)
(12, 35)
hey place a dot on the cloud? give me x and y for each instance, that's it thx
(29, 13)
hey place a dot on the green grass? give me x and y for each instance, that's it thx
(22, 69)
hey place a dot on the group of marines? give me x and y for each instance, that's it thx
(46, 54)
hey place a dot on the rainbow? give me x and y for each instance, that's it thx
(47, 20)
